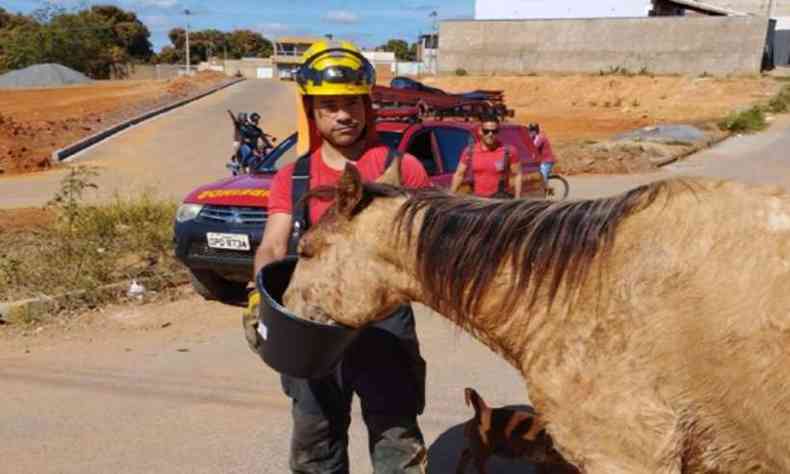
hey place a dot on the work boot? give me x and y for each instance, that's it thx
(396, 445)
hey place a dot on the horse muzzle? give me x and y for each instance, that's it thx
(293, 344)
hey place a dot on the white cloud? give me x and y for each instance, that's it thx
(158, 22)
(156, 3)
(272, 30)
(341, 16)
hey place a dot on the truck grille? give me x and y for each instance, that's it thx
(233, 215)
(200, 249)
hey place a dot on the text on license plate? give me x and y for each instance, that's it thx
(216, 240)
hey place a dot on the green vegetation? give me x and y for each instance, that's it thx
(751, 120)
(102, 40)
(403, 51)
(203, 44)
(96, 41)
(89, 246)
(780, 103)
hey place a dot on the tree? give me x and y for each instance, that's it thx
(96, 41)
(245, 43)
(203, 43)
(402, 50)
(128, 31)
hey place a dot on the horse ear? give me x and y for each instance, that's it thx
(349, 191)
(391, 175)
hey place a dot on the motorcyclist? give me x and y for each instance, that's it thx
(254, 143)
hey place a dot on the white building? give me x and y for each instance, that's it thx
(531, 9)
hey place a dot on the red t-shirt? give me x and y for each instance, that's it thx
(487, 166)
(545, 151)
(370, 166)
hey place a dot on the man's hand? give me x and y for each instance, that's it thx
(249, 321)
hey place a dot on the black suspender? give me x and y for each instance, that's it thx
(300, 184)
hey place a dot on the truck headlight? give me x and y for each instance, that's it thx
(187, 212)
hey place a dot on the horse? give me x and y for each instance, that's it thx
(652, 328)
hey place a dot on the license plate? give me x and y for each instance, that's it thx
(228, 241)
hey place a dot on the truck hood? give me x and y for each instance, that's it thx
(247, 191)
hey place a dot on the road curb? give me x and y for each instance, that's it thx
(69, 150)
(707, 146)
(12, 312)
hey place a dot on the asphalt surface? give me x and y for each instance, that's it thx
(172, 388)
(168, 155)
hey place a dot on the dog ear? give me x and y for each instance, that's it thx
(474, 399)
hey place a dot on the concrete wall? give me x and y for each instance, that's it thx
(662, 45)
(154, 71)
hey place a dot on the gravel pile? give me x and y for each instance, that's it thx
(42, 75)
(664, 134)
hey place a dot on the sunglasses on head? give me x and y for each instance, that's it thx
(487, 131)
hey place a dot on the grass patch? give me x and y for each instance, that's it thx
(781, 103)
(88, 246)
(751, 120)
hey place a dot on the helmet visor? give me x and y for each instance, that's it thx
(335, 75)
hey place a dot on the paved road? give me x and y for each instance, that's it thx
(170, 154)
(172, 388)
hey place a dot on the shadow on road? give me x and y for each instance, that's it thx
(444, 453)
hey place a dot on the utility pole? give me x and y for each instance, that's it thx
(434, 42)
(771, 5)
(186, 12)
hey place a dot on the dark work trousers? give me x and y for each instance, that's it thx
(385, 369)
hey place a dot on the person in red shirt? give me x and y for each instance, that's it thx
(383, 366)
(545, 152)
(496, 167)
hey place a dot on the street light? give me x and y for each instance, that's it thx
(187, 12)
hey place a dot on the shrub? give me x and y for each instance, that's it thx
(89, 245)
(751, 120)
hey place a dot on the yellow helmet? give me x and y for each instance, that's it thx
(335, 68)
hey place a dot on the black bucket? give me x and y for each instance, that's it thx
(291, 345)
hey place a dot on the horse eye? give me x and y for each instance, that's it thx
(304, 251)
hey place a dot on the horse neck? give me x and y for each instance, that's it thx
(504, 333)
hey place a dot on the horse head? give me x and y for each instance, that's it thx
(350, 270)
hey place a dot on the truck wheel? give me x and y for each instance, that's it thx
(211, 286)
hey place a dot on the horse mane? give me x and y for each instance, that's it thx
(463, 242)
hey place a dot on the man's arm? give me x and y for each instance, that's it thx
(515, 173)
(458, 177)
(274, 244)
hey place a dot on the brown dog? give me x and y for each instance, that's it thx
(509, 433)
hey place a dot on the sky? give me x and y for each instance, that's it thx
(369, 23)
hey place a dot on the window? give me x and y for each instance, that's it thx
(420, 147)
(283, 154)
(452, 143)
(391, 139)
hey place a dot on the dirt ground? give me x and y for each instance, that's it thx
(35, 122)
(25, 219)
(581, 113)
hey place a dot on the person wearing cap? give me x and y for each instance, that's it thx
(494, 165)
(545, 152)
(383, 366)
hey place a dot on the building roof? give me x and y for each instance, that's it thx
(299, 39)
(704, 7)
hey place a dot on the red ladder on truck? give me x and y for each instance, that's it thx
(440, 106)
